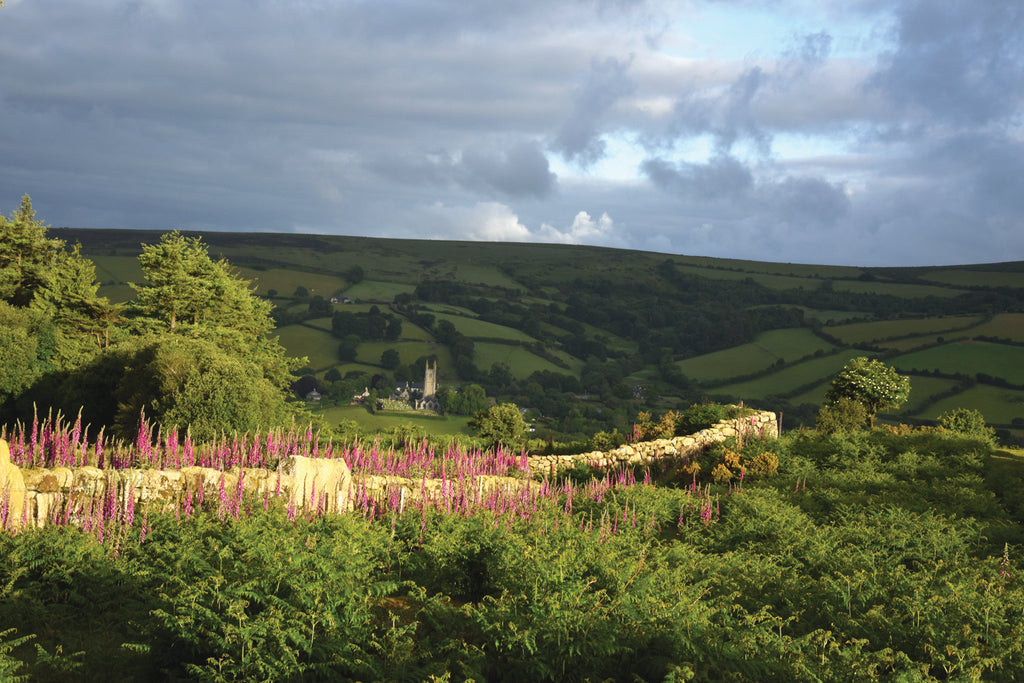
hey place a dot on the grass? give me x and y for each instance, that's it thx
(968, 358)
(117, 269)
(857, 333)
(485, 275)
(968, 278)
(912, 343)
(1003, 326)
(374, 290)
(433, 425)
(285, 282)
(481, 329)
(408, 351)
(319, 346)
(922, 389)
(521, 362)
(999, 406)
(769, 347)
(790, 378)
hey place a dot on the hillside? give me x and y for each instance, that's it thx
(587, 336)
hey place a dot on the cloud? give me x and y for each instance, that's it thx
(584, 230)
(723, 177)
(579, 138)
(520, 171)
(867, 132)
(962, 63)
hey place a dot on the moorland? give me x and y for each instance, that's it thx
(586, 337)
(885, 550)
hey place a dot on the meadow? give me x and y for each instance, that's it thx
(768, 348)
(790, 378)
(619, 312)
(881, 555)
(968, 358)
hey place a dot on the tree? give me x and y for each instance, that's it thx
(390, 359)
(26, 255)
(187, 293)
(41, 273)
(969, 423)
(502, 424)
(871, 383)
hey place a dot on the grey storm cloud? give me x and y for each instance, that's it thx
(519, 171)
(579, 139)
(962, 62)
(897, 123)
(727, 116)
(723, 177)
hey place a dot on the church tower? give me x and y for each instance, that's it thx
(430, 380)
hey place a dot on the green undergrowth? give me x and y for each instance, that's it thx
(885, 555)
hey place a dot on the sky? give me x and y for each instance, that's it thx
(844, 132)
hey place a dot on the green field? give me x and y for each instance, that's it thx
(1002, 326)
(857, 333)
(117, 269)
(911, 343)
(481, 329)
(319, 346)
(382, 292)
(922, 389)
(790, 378)
(999, 406)
(973, 278)
(434, 425)
(769, 347)
(968, 358)
(285, 282)
(408, 351)
(521, 362)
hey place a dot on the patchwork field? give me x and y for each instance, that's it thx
(922, 389)
(857, 333)
(381, 292)
(999, 406)
(968, 358)
(481, 329)
(973, 278)
(1002, 326)
(433, 425)
(791, 378)
(788, 345)
(285, 282)
(408, 351)
(521, 362)
(319, 346)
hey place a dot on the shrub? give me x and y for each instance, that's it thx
(967, 422)
(700, 416)
(845, 415)
(763, 464)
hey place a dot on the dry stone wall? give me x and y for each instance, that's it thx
(762, 424)
(34, 496)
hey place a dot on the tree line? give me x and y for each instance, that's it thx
(193, 347)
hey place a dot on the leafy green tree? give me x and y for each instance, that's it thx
(26, 254)
(27, 349)
(845, 415)
(390, 359)
(502, 424)
(39, 272)
(187, 293)
(871, 383)
(967, 422)
(187, 382)
(348, 347)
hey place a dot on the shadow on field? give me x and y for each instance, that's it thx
(1004, 476)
